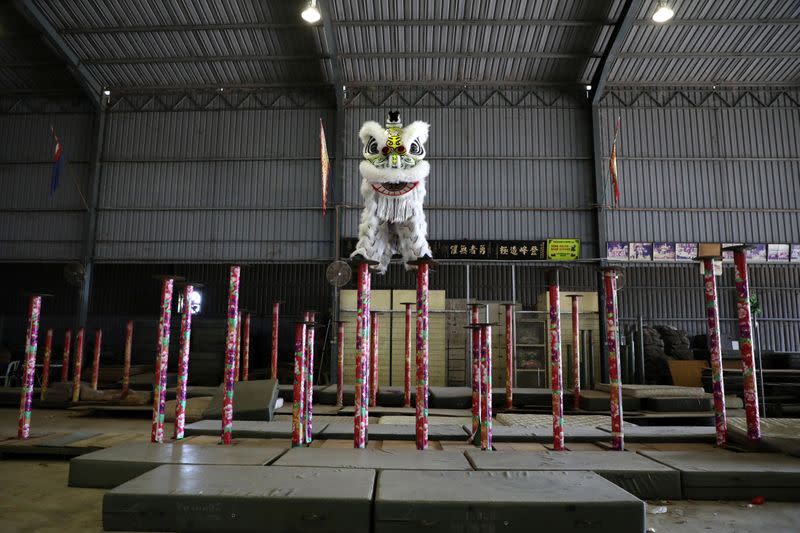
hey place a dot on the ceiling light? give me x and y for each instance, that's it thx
(663, 13)
(588, 87)
(106, 92)
(311, 13)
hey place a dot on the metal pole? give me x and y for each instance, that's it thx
(340, 364)
(162, 357)
(298, 405)
(486, 387)
(276, 311)
(308, 405)
(746, 344)
(714, 346)
(556, 378)
(509, 356)
(407, 359)
(576, 350)
(31, 342)
(48, 348)
(361, 414)
(65, 357)
(374, 368)
(763, 408)
(238, 368)
(246, 349)
(640, 359)
(98, 343)
(76, 369)
(612, 345)
(422, 354)
(230, 353)
(126, 368)
(183, 362)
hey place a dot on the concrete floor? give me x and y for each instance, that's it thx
(35, 496)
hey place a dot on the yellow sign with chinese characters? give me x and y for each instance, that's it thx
(563, 249)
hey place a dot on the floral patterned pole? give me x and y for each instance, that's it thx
(746, 344)
(76, 370)
(374, 368)
(65, 357)
(423, 268)
(361, 417)
(556, 379)
(98, 344)
(276, 311)
(308, 406)
(246, 348)
(126, 368)
(230, 353)
(509, 356)
(48, 348)
(486, 387)
(477, 401)
(162, 358)
(407, 358)
(340, 363)
(612, 342)
(715, 347)
(576, 349)
(238, 367)
(299, 397)
(183, 362)
(31, 342)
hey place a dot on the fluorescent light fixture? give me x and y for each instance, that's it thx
(663, 13)
(106, 92)
(588, 87)
(311, 13)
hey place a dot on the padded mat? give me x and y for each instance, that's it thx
(395, 432)
(375, 459)
(666, 433)
(248, 429)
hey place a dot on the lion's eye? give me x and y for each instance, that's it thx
(372, 146)
(416, 148)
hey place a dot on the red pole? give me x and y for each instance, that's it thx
(65, 358)
(340, 364)
(246, 349)
(486, 387)
(298, 405)
(309, 361)
(361, 417)
(612, 343)
(407, 364)
(576, 350)
(276, 311)
(76, 370)
(98, 343)
(715, 347)
(509, 356)
(374, 369)
(238, 368)
(744, 313)
(48, 347)
(230, 353)
(162, 358)
(31, 342)
(183, 363)
(422, 355)
(477, 395)
(126, 368)
(556, 380)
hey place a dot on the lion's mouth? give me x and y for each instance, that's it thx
(394, 189)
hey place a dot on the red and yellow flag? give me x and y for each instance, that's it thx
(325, 166)
(612, 163)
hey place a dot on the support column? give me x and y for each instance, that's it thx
(612, 343)
(238, 368)
(361, 413)
(374, 367)
(299, 397)
(126, 368)
(744, 313)
(715, 347)
(509, 355)
(246, 348)
(98, 345)
(486, 387)
(308, 406)
(183, 362)
(556, 376)
(162, 357)
(340, 363)
(407, 357)
(234, 278)
(65, 357)
(423, 267)
(76, 369)
(576, 349)
(475, 331)
(48, 348)
(31, 343)
(276, 311)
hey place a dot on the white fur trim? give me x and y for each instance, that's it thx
(372, 129)
(418, 172)
(416, 130)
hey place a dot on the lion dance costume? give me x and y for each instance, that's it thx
(393, 186)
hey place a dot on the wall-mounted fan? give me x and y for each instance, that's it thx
(338, 273)
(74, 274)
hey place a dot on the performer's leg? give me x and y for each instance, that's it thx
(372, 237)
(411, 236)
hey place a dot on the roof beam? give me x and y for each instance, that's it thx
(176, 28)
(335, 57)
(627, 17)
(202, 59)
(32, 12)
(724, 54)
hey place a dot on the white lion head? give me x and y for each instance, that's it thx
(394, 154)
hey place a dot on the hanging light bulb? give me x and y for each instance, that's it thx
(311, 13)
(663, 13)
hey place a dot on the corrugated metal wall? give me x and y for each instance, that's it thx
(503, 166)
(221, 183)
(33, 223)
